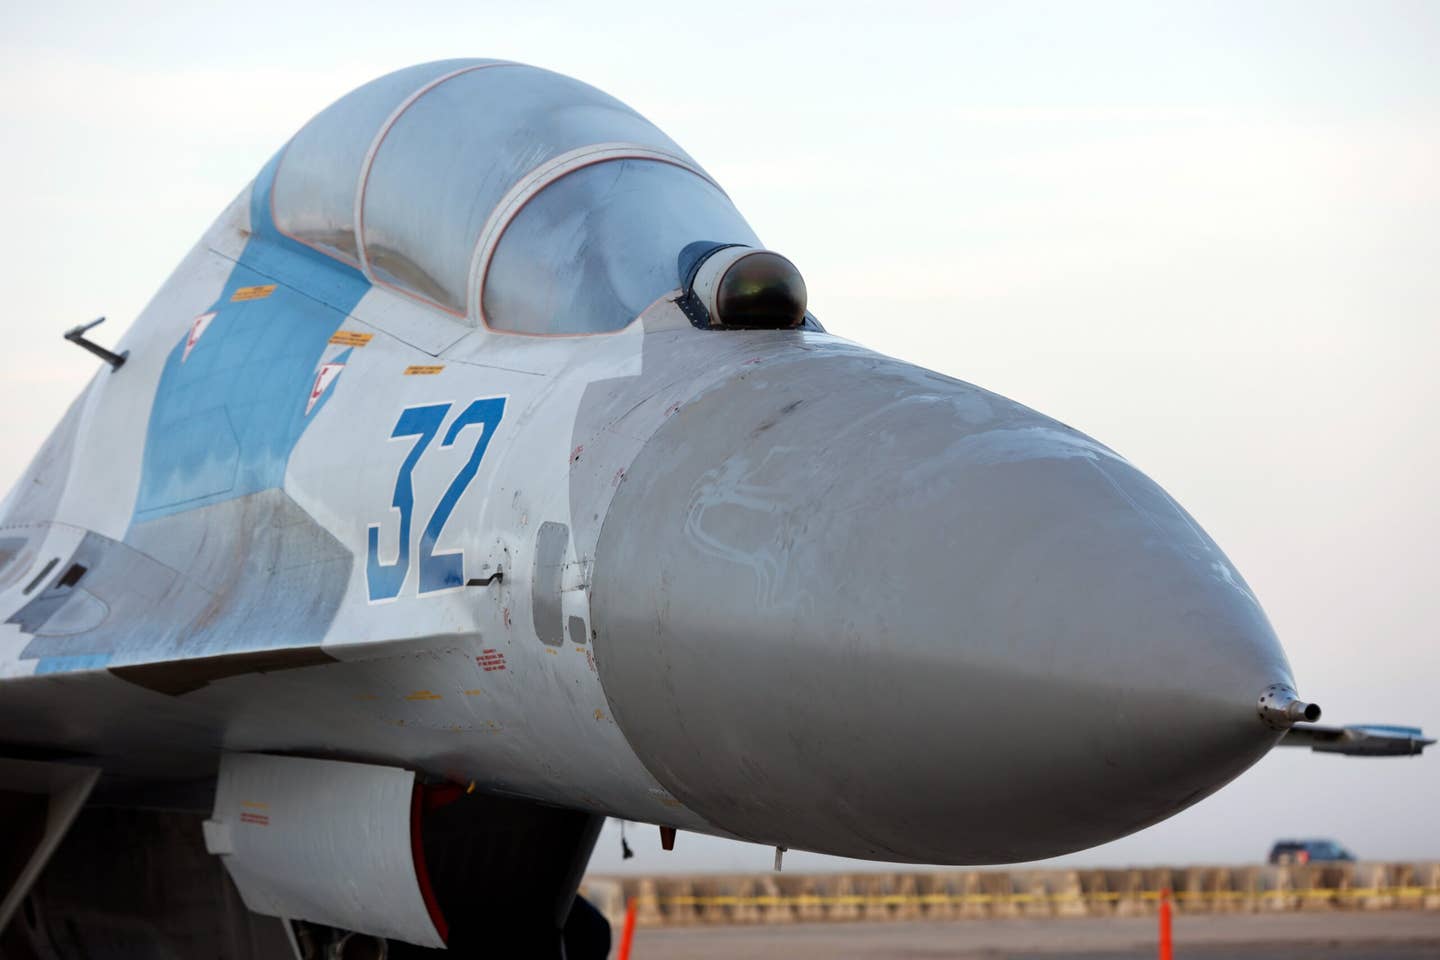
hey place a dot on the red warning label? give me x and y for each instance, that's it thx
(197, 330)
(323, 378)
(491, 660)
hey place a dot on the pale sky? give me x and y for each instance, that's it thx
(1207, 234)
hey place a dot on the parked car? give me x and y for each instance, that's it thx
(1309, 851)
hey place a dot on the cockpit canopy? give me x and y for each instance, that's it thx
(503, 194)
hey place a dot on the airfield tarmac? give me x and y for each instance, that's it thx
(1392, 935)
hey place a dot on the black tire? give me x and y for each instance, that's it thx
(587, 932)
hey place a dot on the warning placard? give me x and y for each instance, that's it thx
(252, 293)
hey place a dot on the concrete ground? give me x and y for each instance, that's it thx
(1289, 936)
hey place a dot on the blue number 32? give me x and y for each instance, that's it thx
(437, 571)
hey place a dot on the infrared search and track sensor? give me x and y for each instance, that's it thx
(742, 288)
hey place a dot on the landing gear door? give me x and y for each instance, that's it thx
(39, 802)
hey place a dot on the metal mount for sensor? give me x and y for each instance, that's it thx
(76, 335)
(1280, 708)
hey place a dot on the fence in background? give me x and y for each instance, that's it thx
(977, 894)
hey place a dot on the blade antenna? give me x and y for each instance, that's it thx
(625, 852)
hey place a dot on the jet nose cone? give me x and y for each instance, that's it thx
(850, 605)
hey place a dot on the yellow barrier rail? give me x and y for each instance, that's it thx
(988, 899)
(974, 894)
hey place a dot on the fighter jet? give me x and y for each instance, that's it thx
(480, 475)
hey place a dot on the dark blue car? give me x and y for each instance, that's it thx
(1309, 851)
